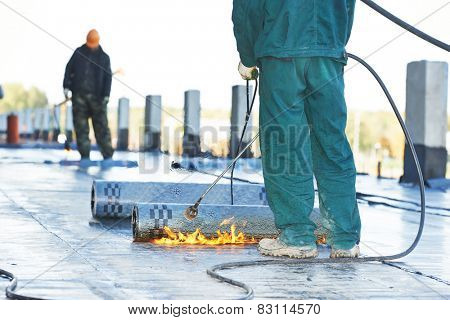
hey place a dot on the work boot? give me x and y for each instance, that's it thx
(107, 163)
(341, 253)
(85, 163)
(277, 248)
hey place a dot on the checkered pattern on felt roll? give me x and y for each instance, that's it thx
(113, 207)
(161, 214)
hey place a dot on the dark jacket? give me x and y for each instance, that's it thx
(1, 92)
(89, 71)
(292, 28)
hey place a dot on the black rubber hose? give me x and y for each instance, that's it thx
(407, 26)
(213, 272)
(247, 119)
(363, 196)
(10, 294)
(178, 166)
(249, 291)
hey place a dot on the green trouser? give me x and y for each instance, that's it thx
(302, 121)
(87, 106)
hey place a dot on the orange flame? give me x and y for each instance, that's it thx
(198, 238)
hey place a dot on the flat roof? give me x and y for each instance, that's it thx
(49, 240)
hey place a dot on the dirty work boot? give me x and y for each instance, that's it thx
(107, 163)
(85, 163)
(277, 248)
(340, 253)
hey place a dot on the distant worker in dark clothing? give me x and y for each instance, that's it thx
(88, 76)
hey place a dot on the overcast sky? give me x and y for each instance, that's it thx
(168, 46)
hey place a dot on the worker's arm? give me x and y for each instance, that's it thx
(107, 79)
(248, 23)
(351, 15)
(68, 75)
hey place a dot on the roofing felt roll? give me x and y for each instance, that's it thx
(114, 199)
(149, 219)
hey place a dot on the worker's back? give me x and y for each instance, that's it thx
(89, 71)
(296, 28)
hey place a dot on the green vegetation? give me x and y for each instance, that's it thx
(380, 136)
(380, 128)
(17, 97)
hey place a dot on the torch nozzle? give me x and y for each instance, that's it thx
(191, 212)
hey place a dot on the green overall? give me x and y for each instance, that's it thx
(299, 46)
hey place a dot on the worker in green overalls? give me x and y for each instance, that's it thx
(299, 48)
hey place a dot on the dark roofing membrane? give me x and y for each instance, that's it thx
(48, 240)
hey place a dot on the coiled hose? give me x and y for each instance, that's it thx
(249, 293)
(9, 291)
(213, 272)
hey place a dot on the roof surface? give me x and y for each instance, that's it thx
(49, 240)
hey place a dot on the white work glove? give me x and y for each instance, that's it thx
(248, 73)
(105, 100)
(66, 93)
